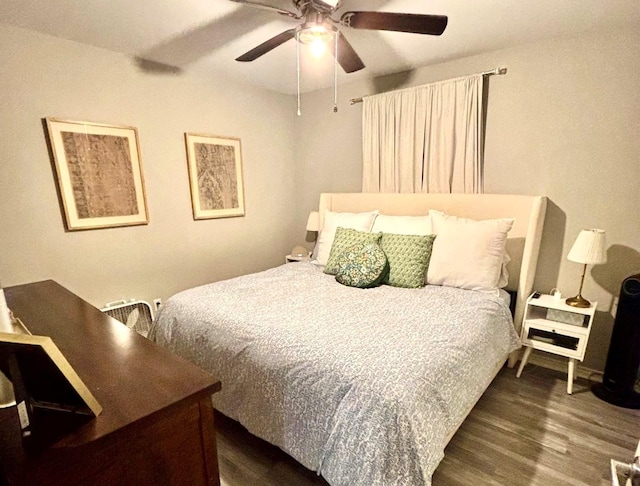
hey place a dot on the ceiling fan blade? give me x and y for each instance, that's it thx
(264, 6)
(347, 56)
(267, 46)
(397, 22)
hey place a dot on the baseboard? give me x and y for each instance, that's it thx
(558, 363)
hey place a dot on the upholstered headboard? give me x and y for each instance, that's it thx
(523, 243)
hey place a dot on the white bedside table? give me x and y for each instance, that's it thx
(291, 258)
(551, 325)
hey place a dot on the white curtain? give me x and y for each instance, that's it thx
(425, 139)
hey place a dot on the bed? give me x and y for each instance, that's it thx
(364, 386)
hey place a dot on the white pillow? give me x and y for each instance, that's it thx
(503, 281)
(437, 219)
(357, 221)
(402, 225)
(466, 253)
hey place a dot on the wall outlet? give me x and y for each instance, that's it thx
(157, 303)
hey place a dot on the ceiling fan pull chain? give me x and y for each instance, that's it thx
(298, 68)
(335, 73)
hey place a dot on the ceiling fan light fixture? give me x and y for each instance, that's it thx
(311, 34)
(317, 37)
(317, 48)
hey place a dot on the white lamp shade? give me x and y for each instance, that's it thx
(589, 247)
(313, 223)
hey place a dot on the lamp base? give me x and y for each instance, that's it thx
(578, 301)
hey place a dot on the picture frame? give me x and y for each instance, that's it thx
(215, 176)
(99, 174)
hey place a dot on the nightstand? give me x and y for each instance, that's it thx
(551, 325)
(291, 258)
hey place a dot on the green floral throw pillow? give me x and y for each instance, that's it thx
(408, 257)
(346, 238)
(362, 265)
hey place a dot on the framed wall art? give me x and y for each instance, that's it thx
(215, 176)
(99, 174)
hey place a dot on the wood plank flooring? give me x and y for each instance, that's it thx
(525, 431)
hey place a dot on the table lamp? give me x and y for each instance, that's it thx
(313, 223)
(589, 249)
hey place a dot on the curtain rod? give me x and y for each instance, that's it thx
(499, 71)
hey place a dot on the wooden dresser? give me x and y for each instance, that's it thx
(157, 423)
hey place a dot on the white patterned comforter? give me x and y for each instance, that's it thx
(363, 386)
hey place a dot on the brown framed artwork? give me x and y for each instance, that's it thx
(215, 176)
(99, 174)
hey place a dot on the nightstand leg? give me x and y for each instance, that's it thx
(571, 375)
(523, 361)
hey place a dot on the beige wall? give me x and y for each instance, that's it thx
(42, 76)
(563, 123)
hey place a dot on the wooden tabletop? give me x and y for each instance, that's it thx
(132, 378)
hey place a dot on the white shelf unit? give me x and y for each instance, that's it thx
(542, 329)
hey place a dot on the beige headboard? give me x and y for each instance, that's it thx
(523, 243)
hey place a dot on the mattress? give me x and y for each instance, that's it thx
(363, 386)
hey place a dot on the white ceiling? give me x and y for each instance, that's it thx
(206, 36)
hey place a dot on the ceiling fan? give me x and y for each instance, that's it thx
(318, 28)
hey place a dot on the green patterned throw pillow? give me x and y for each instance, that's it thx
(344, 239)
(363, 265)
(408, 257)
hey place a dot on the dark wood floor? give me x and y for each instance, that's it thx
(525, 431)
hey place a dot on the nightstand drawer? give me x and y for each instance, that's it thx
(550, 337)
(547, 336)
